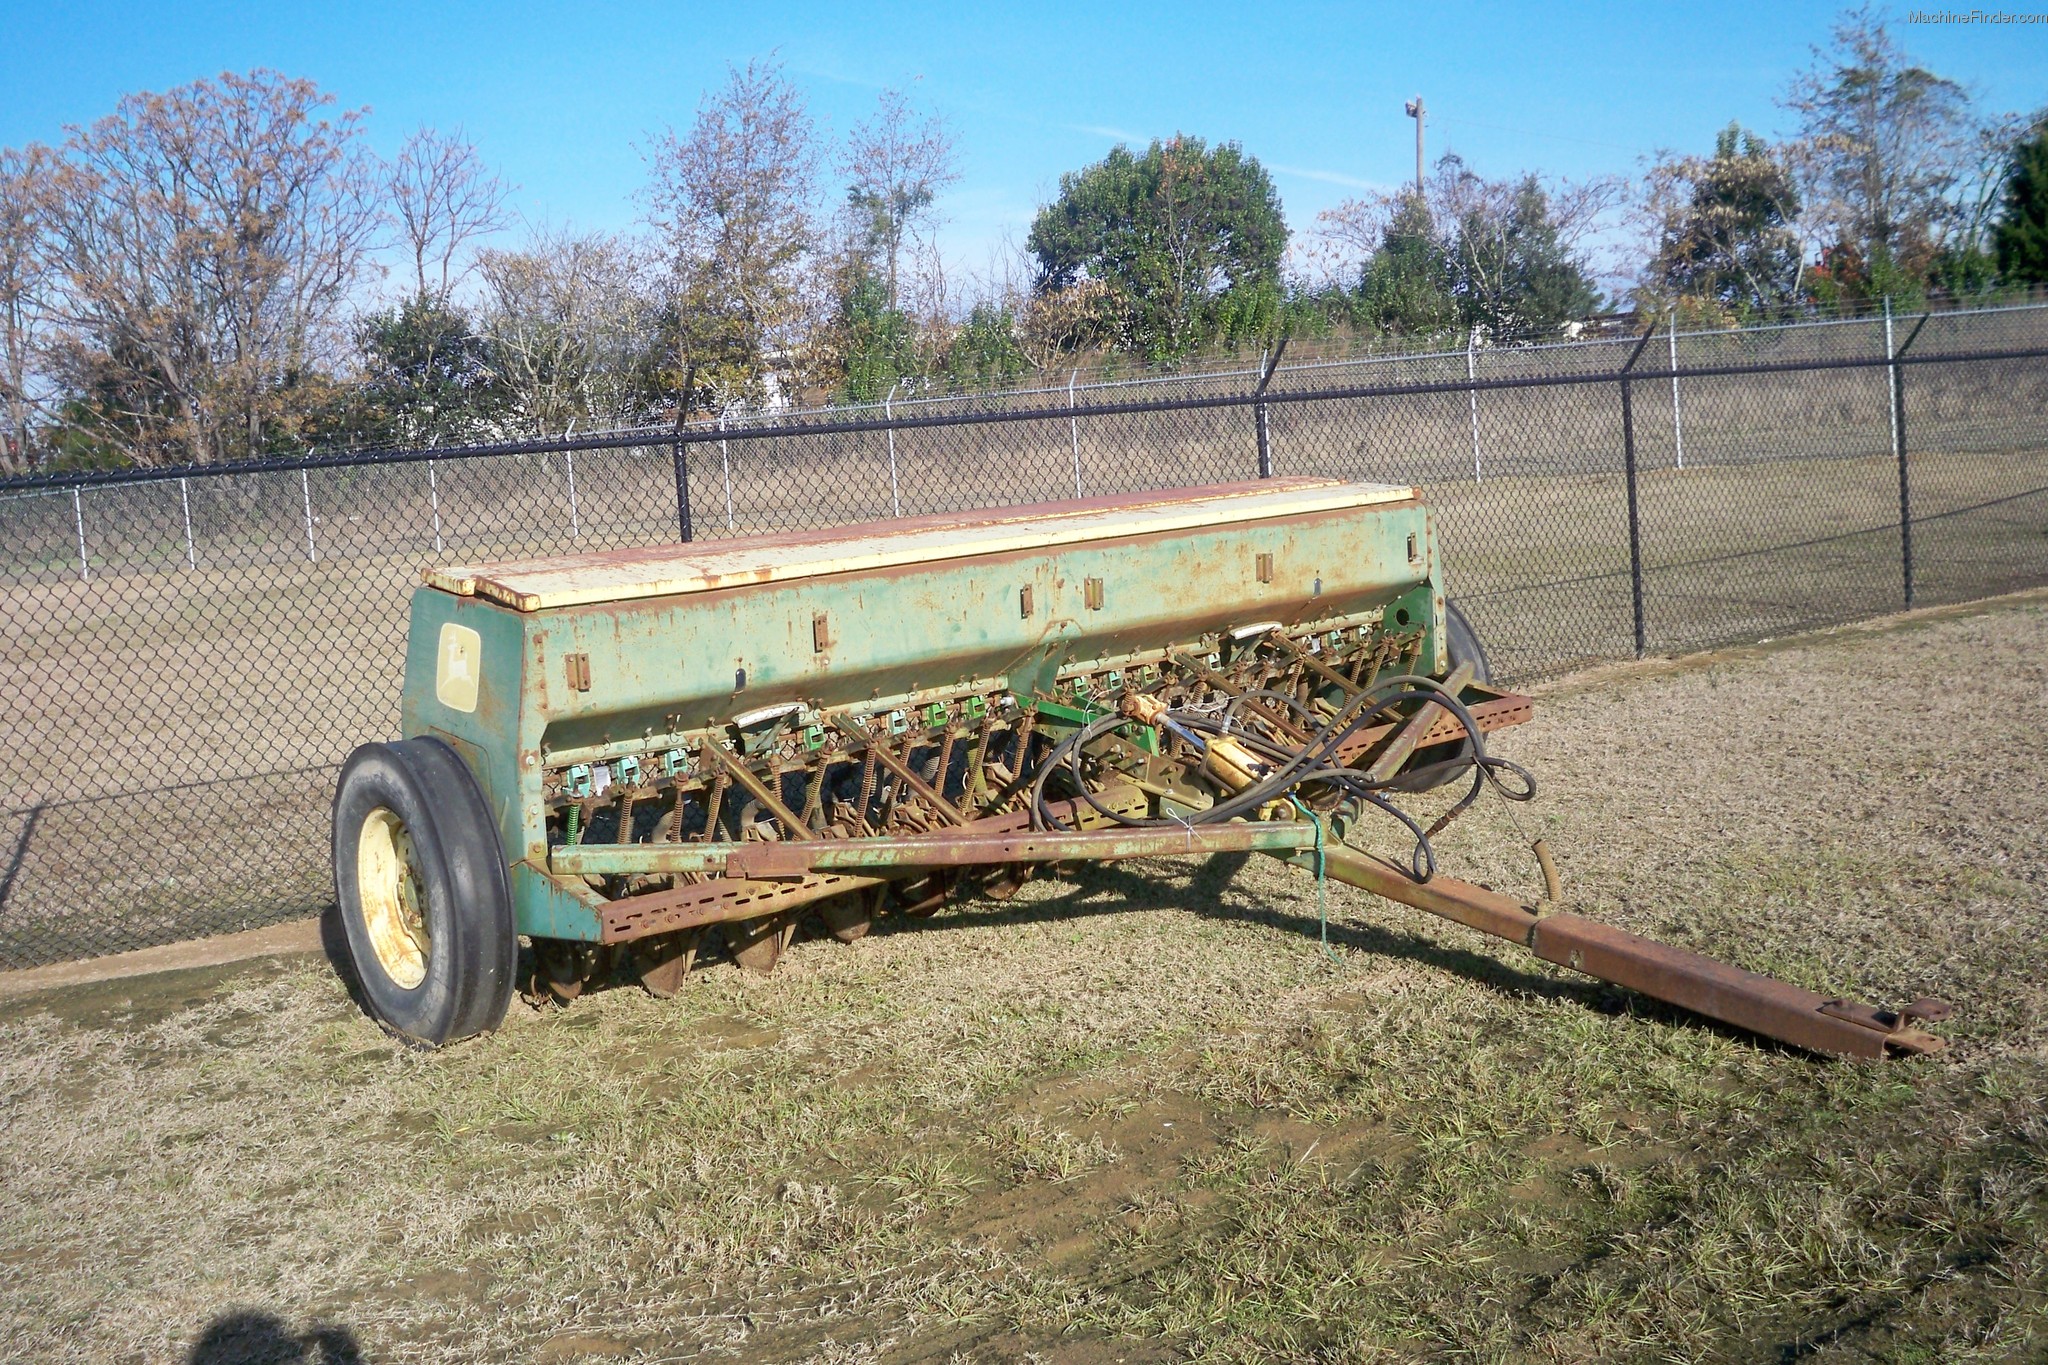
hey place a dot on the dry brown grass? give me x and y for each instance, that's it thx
(1138, 1115)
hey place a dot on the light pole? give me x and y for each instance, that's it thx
(1415, 112)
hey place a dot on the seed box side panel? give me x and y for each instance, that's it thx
(857, 622)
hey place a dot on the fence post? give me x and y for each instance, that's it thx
(306, 497)
(434, 499)
(725, 464)
(889, 416)
(1891, 372)
(1472, 402)
(1635, 517)
(569, 458)
(1074, 429)
(1677, 419)
(78, 517)
(1259, 410)
(185, 501)
(682, 478)
(1898, 413)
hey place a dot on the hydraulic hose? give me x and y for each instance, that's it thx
(1295, 765)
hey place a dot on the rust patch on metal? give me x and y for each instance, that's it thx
(729, 898)
(1476, 907)
(715, 902)
(1497, 713)
(965, 850)
(759, 790)
(1408, 737)
(1747, 1000)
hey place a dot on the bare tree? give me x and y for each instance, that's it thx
(444, 198)
(1347, 237)
(895, 165)
(1883, 144)
(1980, 189)
(734, 202)
(25, 204)
(572, 324)
(208, 242)
(1057, 323)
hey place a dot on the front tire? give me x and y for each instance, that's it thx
(425, 903)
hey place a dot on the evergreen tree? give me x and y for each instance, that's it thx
(1727, 238)
(1514, 276)
(2020, 240)
(1408, 284)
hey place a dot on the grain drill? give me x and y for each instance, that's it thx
(636, 759)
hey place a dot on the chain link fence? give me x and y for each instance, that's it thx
(190, 653)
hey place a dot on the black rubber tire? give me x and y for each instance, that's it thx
(466, 895)
(1462, 642)
(1445, 764)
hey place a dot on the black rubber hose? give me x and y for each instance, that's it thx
(1298, 765)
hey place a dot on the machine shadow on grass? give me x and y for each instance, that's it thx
(1095, 889)
(1204, 894)
(255, 1338)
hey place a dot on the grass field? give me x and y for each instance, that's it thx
(1139, 1115)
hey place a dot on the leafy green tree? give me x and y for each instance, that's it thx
(1408, 284)
(1251, 315)
(876, 341)
(427, 377)
(2020, 239)
(1726, 234)
(1172, 234)
(984, 353)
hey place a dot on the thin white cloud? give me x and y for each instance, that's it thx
(835, 77)
(1101, 130)
(1327, 177)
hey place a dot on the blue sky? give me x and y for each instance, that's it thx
(563, 99)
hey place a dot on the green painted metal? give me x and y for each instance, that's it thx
(664, 669)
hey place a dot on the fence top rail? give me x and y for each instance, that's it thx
(711, 432)
(1508, 347)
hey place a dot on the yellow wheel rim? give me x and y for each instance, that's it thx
(390, 893)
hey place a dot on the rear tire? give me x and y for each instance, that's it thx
(1462, 644)
(425, 903)
(1445, 763)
